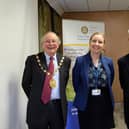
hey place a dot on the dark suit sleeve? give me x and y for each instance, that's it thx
(123, 75)
(27, 77)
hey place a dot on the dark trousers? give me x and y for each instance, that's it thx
(126, 108)
(53, 118)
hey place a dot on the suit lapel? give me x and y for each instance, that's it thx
(58, 61)
(107, 70)
(87, 60)
(58, 58)
(105, 65)
(43, 60)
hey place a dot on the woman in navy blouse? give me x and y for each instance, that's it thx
(93, 75)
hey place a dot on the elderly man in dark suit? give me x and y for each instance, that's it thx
(45, 111)
(123, 64)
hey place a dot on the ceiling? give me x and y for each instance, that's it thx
(62, 6)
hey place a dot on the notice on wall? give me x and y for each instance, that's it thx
(76, 34)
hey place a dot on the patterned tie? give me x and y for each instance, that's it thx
(46, 93)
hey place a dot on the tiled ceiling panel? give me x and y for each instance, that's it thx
(76, 5)
(98, 5)
(88, 5)
(119, 5)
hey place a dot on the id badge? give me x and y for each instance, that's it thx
(96, 92)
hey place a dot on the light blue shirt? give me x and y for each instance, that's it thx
(55, 92)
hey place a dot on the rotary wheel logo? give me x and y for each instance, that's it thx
(84, 29)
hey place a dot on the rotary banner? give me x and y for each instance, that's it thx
(76, 34)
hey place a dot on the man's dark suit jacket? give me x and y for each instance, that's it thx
(32, 83)
(123, 64)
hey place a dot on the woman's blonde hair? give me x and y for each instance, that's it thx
(97, 33)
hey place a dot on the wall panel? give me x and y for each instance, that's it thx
(117, 43)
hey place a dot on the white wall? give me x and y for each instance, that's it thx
(18, 38)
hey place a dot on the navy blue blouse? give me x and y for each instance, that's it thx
(97, 76)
